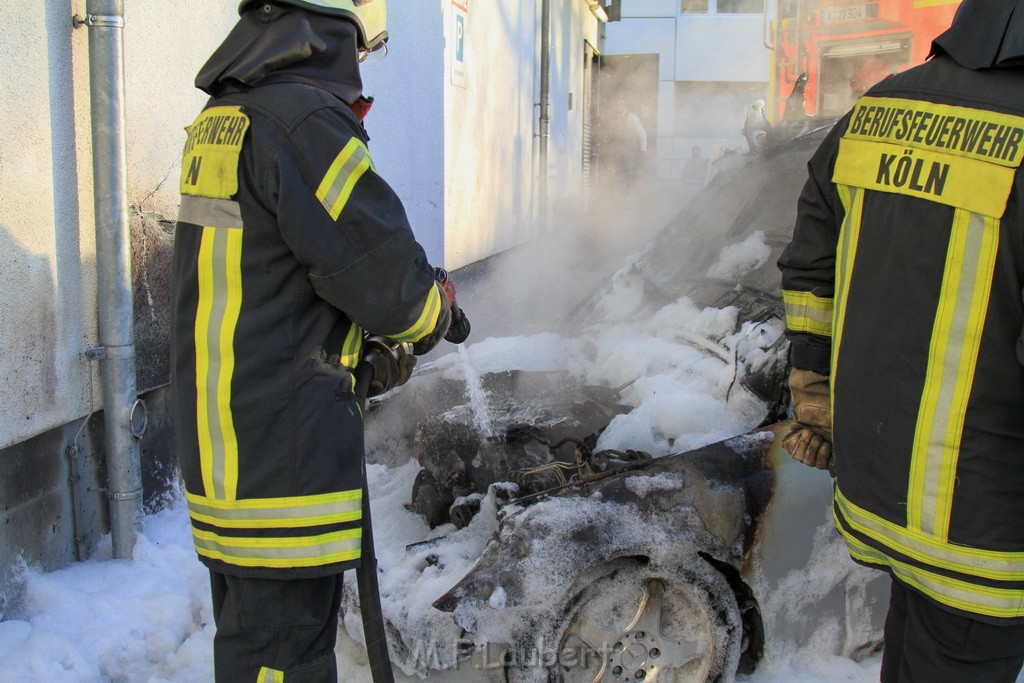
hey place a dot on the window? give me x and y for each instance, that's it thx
(741, 6)
(722, 6)
(713, 110)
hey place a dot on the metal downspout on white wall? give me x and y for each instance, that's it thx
(116, 353)
(544, 123)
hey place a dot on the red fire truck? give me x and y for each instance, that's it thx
(844, 47)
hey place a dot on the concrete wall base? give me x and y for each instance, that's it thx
(52, 487)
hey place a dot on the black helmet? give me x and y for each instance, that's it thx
(984, 34)
(369, 16)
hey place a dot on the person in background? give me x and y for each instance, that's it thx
(903, 293)
(289, 249)
(870, 72)
(756, 127)
(696, 168)
(796, 104)
(631, 147)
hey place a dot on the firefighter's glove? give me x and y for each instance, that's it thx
(392, 364)
(810, 439)
(458, 331)
(808, 447)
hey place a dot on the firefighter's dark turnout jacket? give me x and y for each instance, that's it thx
(288, 246)
(904, 283)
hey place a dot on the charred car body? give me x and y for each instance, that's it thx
(612, 563)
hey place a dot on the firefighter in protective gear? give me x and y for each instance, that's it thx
(903, 292)
(289, 249)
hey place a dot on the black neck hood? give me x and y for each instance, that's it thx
(985, 34)
(272, 44)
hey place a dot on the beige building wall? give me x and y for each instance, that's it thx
(491, 122)
(462, 157)
(47, 235)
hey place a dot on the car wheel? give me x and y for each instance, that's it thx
(642, 624)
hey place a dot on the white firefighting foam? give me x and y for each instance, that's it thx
(150, 619)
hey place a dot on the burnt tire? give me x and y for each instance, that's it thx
(647, 624)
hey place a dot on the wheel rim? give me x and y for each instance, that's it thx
(649, 633)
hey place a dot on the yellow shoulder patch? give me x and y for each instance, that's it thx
(209, 162)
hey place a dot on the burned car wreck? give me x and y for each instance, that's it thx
(551, 544)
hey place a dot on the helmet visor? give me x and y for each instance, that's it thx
(375, 55)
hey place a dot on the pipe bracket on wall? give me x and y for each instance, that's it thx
(138, 418)
(98, 21)
(134, 494)
(96, 353)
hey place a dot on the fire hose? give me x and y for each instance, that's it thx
(366, 573)
(380, 353)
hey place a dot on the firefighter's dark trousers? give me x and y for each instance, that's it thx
(271, 630)
(925, 644)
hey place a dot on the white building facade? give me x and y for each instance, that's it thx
(455, 129)
(714, 61)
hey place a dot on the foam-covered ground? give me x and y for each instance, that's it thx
(150, 619)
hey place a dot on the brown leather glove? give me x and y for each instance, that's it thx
(810, 439)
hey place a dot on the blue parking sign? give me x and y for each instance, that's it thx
(460, 15)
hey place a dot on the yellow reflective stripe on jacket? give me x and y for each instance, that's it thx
(427, 319)
(276, 513)
(279, 552)
(963, 595)
(806, 312)
(268, 675)
(346, 170)
(220, 301)
(852, 199)
(989, 564)
(352, 348)
(952, 358)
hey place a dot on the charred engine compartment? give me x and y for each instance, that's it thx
(525, 433)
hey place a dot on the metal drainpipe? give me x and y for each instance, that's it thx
(116, 353)
(545, 108)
